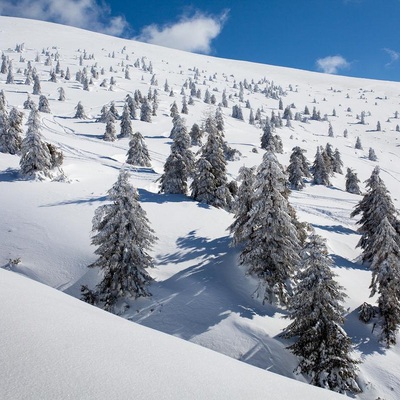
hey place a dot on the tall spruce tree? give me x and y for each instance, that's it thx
(10, 136)
(385, 268)
(315, 308)
(126, 125)
(320, 171)
(352, 182)
(180, 163)
(35, 155)
(242, 205)
(271, 250)
(374, 206)
(138, 153)
(124, 237)
(298, 168)
(217, 194)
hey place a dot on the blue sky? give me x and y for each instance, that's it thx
(348, 37)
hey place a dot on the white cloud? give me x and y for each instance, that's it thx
(193, 34)
(332, 64)
(86, 14)
(394, 56)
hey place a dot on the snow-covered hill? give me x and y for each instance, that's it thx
(200, 293)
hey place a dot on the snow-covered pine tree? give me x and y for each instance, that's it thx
(185, 109)
(352, 182)
(295, 173)
(210, 183)
(124, 237)
(110, 132)
(371, 155)
(373, 207)
(35, 155)
(29, 104)
(179, 164)
(195, 135)
(358, 144)
(145, 111)
(385, 268)
(298, 168)
(242, 205)
(44, 105)
(337, 162)
(126, 125)
(319, 170)
(270, 141)
(80, 111)
(61, 96)
(138, 153)
(36, 84)
(132, 106)
(237, 112)
(271, 250)
(11, 131)
(317, 318)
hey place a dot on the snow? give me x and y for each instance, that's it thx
(57, 346)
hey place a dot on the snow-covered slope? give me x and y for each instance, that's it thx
(56, 347)
(200, 293)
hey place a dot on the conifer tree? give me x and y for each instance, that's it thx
(145, 111)
(352, 182)
(385, 268)
(11, 131)
(319, 170)
(317, 318)
(124, 237)
(374, 206)
(371, 155)
(35, 155)
(110, 133)
(237, 112)
(61, 92)
(295, 173)
(242, 205)
(212, 172)
(80, 111)
(270, 141)
(195, 135)
(44, 105)
(358, 144)
(179, 165)
(126, 125)
(138, 153)
(36, 85)
(271, 250)
(337, 162)
(298, 168)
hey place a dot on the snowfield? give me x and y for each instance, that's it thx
(53, 346)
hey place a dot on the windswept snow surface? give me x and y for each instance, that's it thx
(56, 347)
(200, 293)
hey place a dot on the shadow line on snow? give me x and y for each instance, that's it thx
(336, 229)
(88, 200)
(201, 296)
(342, 262)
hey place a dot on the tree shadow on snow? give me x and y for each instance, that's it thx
(11, 175)
(160, 198)
(336, 229)
(365, 337)
(342, 262)
(88, 200)
(201, 296)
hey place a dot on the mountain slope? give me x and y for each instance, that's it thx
(200, 293)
